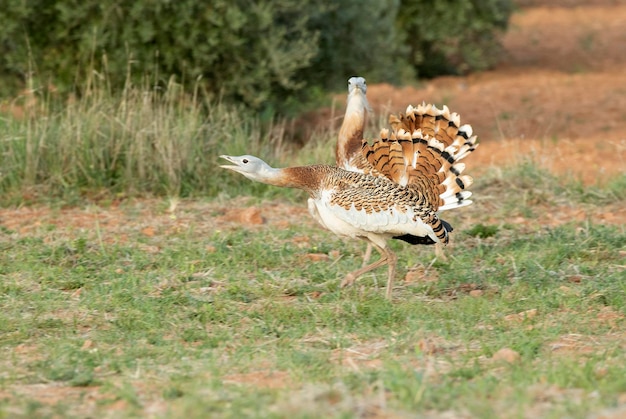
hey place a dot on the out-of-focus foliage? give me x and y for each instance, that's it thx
(357, 38)
(243, 50)
(263, 53)
(453, 36)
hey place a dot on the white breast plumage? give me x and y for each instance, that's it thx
(352, 222)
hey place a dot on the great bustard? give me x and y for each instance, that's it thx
(408, 175)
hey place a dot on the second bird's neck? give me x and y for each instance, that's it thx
(351, 131)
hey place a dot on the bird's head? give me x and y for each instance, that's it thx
(251, 167)
(357, 83)
(357, 90)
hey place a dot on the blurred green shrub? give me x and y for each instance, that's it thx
(264, 53)
(357, 37)
(243, 50)
(453, 36)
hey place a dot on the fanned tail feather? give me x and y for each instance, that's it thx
(422, 151)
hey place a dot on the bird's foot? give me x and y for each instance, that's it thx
(348, 280)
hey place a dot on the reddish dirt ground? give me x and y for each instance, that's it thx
(557, 97)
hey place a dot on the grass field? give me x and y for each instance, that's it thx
(171, 308)
(116, 301)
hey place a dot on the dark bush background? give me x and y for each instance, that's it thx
(268, 54)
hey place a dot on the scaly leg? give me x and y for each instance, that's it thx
(392, 260)
(439, 252)
(367, 255)
(386, 257)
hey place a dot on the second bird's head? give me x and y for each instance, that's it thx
(357, 83)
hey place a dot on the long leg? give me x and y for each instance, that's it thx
(439, 252)
(367, 255)
(386, 257)
(392, 260)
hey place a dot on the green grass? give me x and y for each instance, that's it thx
(206, 317)
(166, 308)
(144, 141)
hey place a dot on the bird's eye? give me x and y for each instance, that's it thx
(245, 161)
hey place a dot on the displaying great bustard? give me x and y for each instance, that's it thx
(407, 176)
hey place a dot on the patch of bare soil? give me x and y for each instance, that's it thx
(149, 218)
(265, 379)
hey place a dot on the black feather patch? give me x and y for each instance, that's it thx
(411, 239)
(447, 226)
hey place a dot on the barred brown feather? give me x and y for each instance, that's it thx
(422, 151)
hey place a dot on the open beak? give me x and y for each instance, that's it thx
(232, 160)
